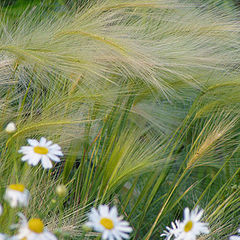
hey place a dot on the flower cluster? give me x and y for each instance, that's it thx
(18, 196)
(104, 220)
(189, 228)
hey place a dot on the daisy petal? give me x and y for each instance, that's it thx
(46, 163)
(33, 142)
(43, 141)
(53, 157)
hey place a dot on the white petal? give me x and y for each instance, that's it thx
(48, 143)
(53, 157)
(186, 213)
(105, 235)
(113, 212)
(104, 211)
(199, 215)
(124, 235)
(33, 142)
(94, 211)
(124, 229)
(111, 237)
(26, 157)
(234, 238)
(116, 234)
(55, 147)
(43, 141)
(49, 235)
(34, 160)
(46, 163)
(56, 152)
(25, 149)
(98, 227)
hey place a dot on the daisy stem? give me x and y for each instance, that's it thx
(61, 211)
(11, 214)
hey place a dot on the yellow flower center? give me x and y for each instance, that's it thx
(188, 227)
(17, 187)
(24, 238)
(40, 150)
(36, 225)
(107, 223)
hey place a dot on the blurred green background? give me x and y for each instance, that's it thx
(23, 3)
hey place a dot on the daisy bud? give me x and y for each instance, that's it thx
(61, 190)
(11, 128)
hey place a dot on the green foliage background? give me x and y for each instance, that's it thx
(146, 109)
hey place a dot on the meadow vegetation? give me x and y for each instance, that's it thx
(143, 98)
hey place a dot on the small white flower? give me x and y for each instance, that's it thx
(172, 232)
(107, 222)
(11, 127)
(43, 150)
(33, 230)
(191, 226)
(17, 195)
(235, 237)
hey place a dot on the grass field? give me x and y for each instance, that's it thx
(142, 100)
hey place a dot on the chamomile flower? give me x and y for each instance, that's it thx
(191, 226)
(17, 195)
(43, 150)
(33, 230)
(172, 232)
(107, 222)
(235, 237)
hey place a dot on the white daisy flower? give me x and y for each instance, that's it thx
(191, 226)
(11, 128)
(33, 230)
(43, 150)
(107, 222)
(172, 232)
(235, 237)
(17, 195)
